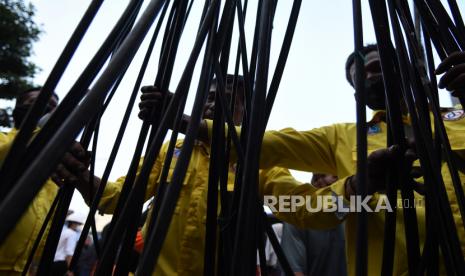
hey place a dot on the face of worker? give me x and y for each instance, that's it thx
(74, 225)
(25, 102)
(209, 108)
(374, 86)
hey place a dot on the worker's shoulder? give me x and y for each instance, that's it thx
(342, 127)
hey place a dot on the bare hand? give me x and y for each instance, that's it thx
(454, 78)
(378, 164)
(73, 166)
(151, 98)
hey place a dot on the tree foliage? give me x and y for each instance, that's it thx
(18, 31)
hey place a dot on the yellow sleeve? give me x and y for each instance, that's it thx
(300, 150)
(6, 141)
(3, 138)
(297, 203)
(210, 128)
(112, 190)
(311, 150)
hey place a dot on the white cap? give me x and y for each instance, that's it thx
(75, 217)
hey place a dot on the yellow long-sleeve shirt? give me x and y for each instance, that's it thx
(332, 150)
(16, 248)
(184, 246)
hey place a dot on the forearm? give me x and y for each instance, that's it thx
(86, 187)
(301, 204)
(68, 260)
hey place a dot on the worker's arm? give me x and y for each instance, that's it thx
(301, 204)
(307, 206)
(112, 190)
(73, 168)
(152, 97)
(68, 260)
(73, 171)
(311, 150)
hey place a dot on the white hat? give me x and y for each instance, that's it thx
(75, 217)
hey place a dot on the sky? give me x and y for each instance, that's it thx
(313, 90)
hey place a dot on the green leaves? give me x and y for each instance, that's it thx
(18, 32)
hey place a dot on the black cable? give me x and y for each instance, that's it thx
(261, 243)
(210, 251)
(44, 163)
(55, 230)
(127, 114)
(122, 266)
(128, 197)
(248, 79)
(441, 28)
(285, 48)
(91, 183)
(431, 167)
(408, 80)
(431, 240)
(439, 124)
(454, 242)
(243, 261)
(276, 246)
(33, 116)
(41, 233)
(231, 221)
(216, 155)
(61, 212)
(156, 237)
(253, 56)
(46, 261)
(80, 87)
(362, 248)
(457, 17)
(446, 23)
(58, 220)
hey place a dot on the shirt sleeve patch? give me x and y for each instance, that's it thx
(374, 129)
(453, 115)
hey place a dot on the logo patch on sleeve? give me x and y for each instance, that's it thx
(374, 129)
(453, 115)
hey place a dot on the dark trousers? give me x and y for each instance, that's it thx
(59, 268)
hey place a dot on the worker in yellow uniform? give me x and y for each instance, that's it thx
(15, 250)
(184, 246)
(332, 150)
